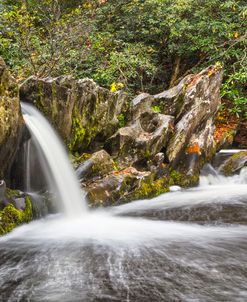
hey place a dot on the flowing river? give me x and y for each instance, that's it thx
(188, 245)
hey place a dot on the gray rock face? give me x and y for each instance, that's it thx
(149, 133)
(195, 128)
(80, 110)
(11, 122)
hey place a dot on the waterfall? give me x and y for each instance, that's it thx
(58, 171)
(27, 162)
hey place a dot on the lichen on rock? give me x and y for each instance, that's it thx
(11, 121)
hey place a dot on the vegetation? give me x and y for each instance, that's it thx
(10, 217)
(136, 45)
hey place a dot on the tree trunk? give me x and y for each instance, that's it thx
(175, 72)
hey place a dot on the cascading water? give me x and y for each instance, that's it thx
(58, 171)
(181, 246)
(27, 163)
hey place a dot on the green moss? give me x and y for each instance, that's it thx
(78, 134)
(116, 166)
(10, 217)
(183, 180)
(149, 188)
(11, 193)
(39, 102)
(156, 108)
(121, 120)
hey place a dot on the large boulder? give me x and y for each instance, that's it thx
(195, 127)
(11, 122)
(83, 112)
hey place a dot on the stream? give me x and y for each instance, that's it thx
(188, 245)
(181, 246)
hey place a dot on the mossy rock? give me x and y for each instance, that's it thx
(10, 217)
(149, 188)
(234, 164)
(183, 180)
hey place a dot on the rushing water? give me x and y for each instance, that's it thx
(55, 163)
(188, 245)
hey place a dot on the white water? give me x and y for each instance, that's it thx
(103, 226)
(59, 172)
(27, 161)
(231, 151)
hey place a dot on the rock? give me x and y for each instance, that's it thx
(11, 121)
(125, 185)
(155, 141)
(172, 101)
(83, 112)
(234, 164)
(20, 203)
(193, 144)
(99, 164)
(17, 209)
(156, 164)
(141, 140)
(3, 199)
(114, 187)
(11, 217)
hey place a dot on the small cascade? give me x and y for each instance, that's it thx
(210, 174)
(51, 154)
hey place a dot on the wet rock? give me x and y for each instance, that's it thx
(83, 112)
(17, 210)
(20, 203)
(11, 121)
(114, 187)
(142, 139)
(99, 164)
(234, 164)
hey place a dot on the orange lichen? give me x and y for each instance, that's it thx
(193, 149)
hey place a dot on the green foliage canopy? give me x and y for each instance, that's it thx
(146, 45)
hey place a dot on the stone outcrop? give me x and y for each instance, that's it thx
(83, 113)
(11, 122)
(194, 130)
(168, 137)
(150, 143)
